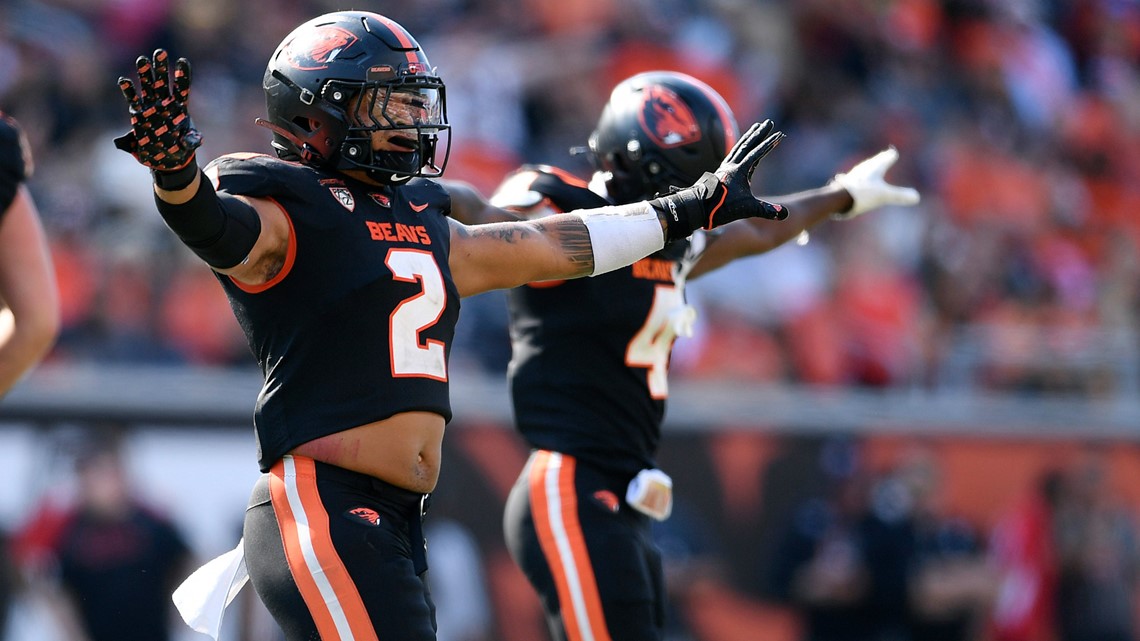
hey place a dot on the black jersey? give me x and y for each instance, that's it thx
(358, 325)
(590, 357)
(14, 159)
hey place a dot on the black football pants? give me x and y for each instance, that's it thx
(589, 555)
(338, 555)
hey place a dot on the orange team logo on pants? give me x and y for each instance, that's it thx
(365, 514)
(608, 499)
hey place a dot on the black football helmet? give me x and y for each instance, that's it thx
(660, 129)
(340, 77)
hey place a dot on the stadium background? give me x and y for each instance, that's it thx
(990, 332)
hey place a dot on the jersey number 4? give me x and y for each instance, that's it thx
(412, 356)
(651, 346)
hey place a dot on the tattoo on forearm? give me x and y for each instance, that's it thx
(505, 233)
(573, 238)
(568, 232)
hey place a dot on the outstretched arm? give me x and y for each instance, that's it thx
(29, 300)
(594, 241)
(245, 238)
(848, 195)
(506, 255)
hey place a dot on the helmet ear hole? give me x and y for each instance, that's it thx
(305, 124)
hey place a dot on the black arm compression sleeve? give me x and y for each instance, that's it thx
(220, 228)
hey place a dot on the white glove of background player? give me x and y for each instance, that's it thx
(868, 189)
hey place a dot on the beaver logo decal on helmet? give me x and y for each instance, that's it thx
(666, 119)
(315, 49)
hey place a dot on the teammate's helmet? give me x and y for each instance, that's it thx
(660, 129)
(340, 77)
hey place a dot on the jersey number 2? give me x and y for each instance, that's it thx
(651, 346)
(410, 356)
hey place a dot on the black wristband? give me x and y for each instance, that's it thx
(674, 210)
(176, 180)
(692, 208)
(710, 203)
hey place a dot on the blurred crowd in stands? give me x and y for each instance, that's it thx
(1018, 120)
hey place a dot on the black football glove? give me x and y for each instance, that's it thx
(162, 136)
(726, 195)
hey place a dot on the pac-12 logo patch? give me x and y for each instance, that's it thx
(368, 515)
(344, 197)
(667, 119)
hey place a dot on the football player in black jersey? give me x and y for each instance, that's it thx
(588, 375)
(29, 300)
(345, 273)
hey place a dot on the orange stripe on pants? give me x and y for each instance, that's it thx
(554, 507)
(321, 577)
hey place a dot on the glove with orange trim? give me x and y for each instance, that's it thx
(162, 136)
(725, 195)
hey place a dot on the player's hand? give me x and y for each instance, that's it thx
(162, 136)
(725, 195)
(869, 190)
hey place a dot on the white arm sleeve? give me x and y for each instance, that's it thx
(622, 235)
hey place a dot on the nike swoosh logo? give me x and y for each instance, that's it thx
(417, 208)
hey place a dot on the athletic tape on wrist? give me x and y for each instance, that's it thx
(621, 235)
